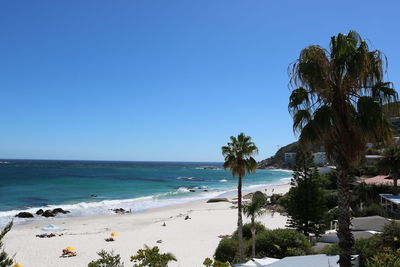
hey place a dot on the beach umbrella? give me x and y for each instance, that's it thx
(114, 234)
(70, 248)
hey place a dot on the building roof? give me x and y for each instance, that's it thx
(320, 260)
(379, 179)
(369, 223)
(392, 198)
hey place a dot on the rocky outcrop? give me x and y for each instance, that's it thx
(48, 213)
(54, 212)
(214, 200)
(278, 160)
(39, 212)
(24, 215)
(120, 211)
(60, 210)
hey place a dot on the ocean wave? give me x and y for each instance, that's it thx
(223, 181)
(195, 179)
(105, 207)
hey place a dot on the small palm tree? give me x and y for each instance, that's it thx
(391, 164)
(252, 210)
(337, 99)
(238, 158)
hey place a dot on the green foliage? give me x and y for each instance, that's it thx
(391, 235)
(274, 199)
(369, 170)
(247, 230)
(107, 259)
(238, 155)
(369, 247)
(227, 250)
(331, 198)
(151, 257)
(280, 243)
(5, 260)
(306, 205)
(371, 210)
(257, 205)
(387, 258)
(210, 263)
(337, 98)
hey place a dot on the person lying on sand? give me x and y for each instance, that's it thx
(68, 253)
(46, 235)
(110, 239)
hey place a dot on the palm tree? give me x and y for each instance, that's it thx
(391, 163)
(337, 98)
(238, 158)
(252, 210)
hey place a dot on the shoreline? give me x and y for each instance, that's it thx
(103, 207)
(180, 237)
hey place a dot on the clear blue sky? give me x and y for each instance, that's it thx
(163, 80)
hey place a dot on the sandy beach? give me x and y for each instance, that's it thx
(191, 240)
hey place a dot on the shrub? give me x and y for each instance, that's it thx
(5, 260)
(210, 263)
(371, 210)
(151, 257)
(391, 235)
(280, 243)
(247, 230)
(107, 259)
(387, 258)
(274, 198)
(366, 248)
(227, 250)
(283, 201)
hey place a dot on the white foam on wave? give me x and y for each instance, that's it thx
(223, 181)
(105, 207)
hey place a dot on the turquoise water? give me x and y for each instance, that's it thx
(90, 188)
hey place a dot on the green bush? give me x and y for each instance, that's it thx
(107, 259)
(391, 235)
(280, 243)
(274, 198)
(331, 199)
(151, 257)
(5, 260)
(366, 248)
(386, 258)
(227, 250)
(247, 230)
(371, 210)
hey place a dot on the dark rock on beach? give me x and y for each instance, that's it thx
(24, 215)
(120, 211)
(49, 213)
(60, 210)
(39, 212)
(214, 200)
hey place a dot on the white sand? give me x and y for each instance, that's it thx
(191, 241)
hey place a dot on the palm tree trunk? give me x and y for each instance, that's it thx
(395, 186)
(346, 239)
(253, 237)
(240, 220)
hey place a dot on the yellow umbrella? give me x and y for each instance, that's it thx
(18, 265)
(70, 248)
(114, 234)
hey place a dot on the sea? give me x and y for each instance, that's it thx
(88, 188)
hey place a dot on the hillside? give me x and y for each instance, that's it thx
(278, 160)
